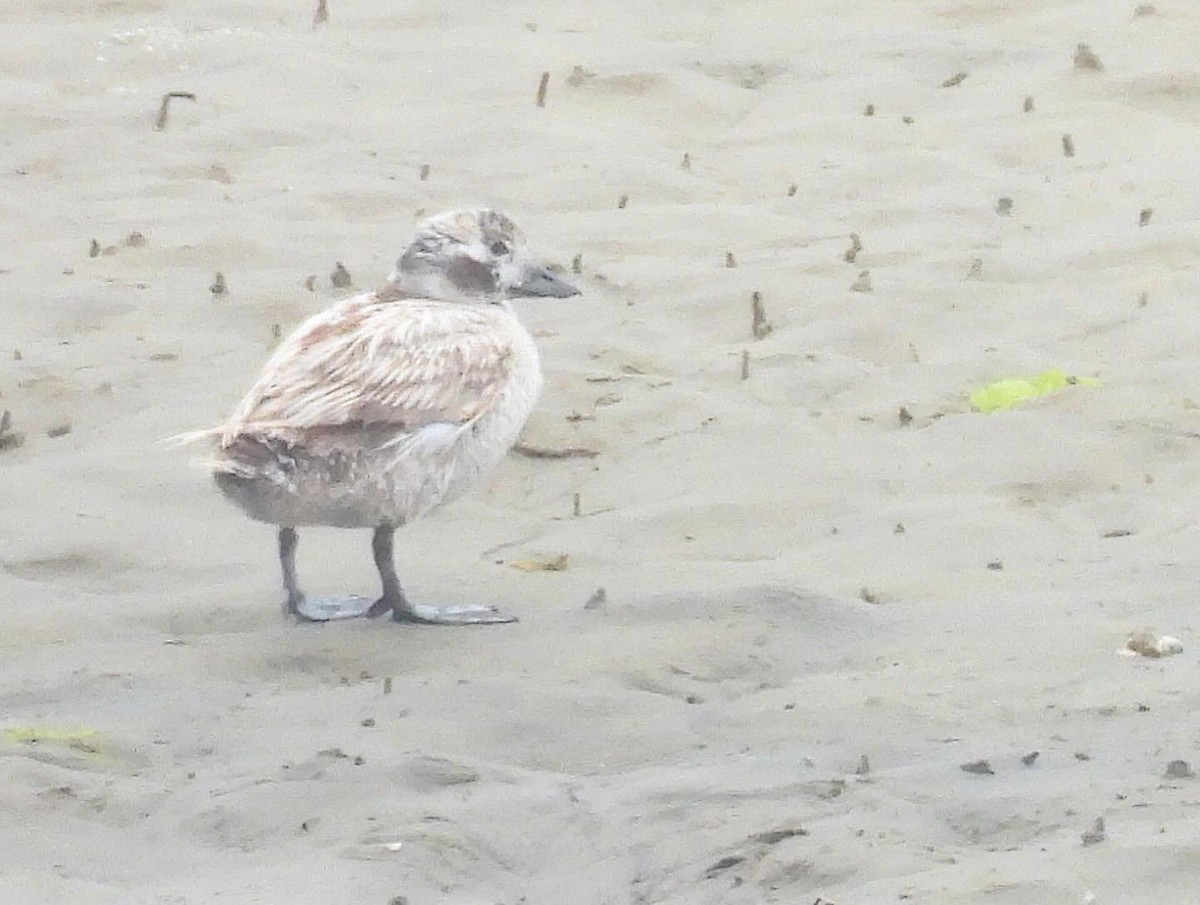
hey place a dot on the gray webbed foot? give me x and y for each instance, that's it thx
(328, 609)
(466, 614)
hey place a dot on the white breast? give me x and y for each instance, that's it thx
(474, 450)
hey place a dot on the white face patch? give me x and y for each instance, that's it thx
(512, 272)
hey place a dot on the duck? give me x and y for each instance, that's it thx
(391, 403)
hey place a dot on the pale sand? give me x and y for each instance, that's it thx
(736, 676)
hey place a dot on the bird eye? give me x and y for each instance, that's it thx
(499, 249)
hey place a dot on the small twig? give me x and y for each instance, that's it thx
(542, 86)
(548, 452)
(164, 109)
(863, 283)
(1085, 58)
(340, 278)
(955, 80)
(9, 438)
(745, 364)
(576, 506)
(760, 327)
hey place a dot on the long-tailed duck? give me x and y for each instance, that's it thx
(392, 402)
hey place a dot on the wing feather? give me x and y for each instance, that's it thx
(371, 361)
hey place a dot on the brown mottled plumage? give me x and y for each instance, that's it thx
(392, 402)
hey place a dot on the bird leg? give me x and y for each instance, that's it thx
(393, 598)
(301, 607)
(294, 597)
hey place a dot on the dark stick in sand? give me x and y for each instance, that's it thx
(1086, 59)
(546, 452)
(760, 327)
(9, 438)
(542, 86)
(340, 278)
(164, 109)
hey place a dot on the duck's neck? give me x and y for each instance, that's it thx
(430, 285)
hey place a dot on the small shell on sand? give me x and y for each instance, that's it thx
(1151, 644)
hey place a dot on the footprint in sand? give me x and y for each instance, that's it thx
(79, 570)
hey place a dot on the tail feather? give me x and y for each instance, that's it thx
(189, 437)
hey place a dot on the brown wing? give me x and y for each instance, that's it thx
(403, 363)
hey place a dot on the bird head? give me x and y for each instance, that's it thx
(473, 255)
